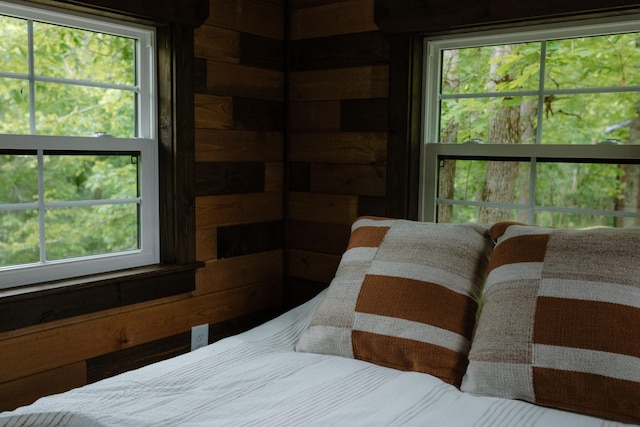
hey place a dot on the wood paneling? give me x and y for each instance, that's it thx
(318, 237)
(366, 180)
(364, 115)
(213, 112)
(345, 50)
(338, 147)
(221, 274)
(323, 208)
(314, 266)
(314, 116)
(216, 211)
(248, 16)
(214, 178)
(432, 16)
(187, 12)
(229, 82)
(245, 239)
(243, 81)
(262, 52)
(344, 83)
(115, 363)
(90, 336)
(257, 114)
(26, 390)
(217, 44)
(213, 145)
(345, 17)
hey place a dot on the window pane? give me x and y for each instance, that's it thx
(589, 118)
(90, 177)
(500, 68)
(90, 230)
(593, 62)
(83, 55)
(13, 45)
(84, 111)
(459, 214)
(607, 187)
(14, 106)
(19, 243)
(484, 182)
(504, 120)
(18, 178)
(577, 220)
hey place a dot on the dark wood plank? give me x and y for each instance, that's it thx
(215, 178)
(433, 16)
(318, 237)
(299, 176)
(256, 114)
(111, 364)
(200, 75)
(245, 239)
(51, 303)
(189, 12)
(300, 290)
(364, 115)
(261, 52)
(403, 155)
(349, 50)
(366, 180)
(372, 206)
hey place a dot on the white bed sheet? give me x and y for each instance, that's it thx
(256, 379)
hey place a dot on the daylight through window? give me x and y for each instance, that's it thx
(540, 126)
(78, 146)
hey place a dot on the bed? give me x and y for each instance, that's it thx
(346, 359)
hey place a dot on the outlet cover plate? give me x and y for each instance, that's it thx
(199, 336)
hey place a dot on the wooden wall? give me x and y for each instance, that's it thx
(239, 114)
(239, 120)
(337, 140)
(277, 185)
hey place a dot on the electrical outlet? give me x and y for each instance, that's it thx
(199, 336)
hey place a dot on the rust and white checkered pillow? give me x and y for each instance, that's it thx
(404, 296)
(560, 322)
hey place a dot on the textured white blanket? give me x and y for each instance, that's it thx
(256, 379)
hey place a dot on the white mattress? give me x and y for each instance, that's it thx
(256, 379)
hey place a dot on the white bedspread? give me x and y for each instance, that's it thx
(256, 379)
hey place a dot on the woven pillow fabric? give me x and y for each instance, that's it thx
(560, 321)
(404, 296)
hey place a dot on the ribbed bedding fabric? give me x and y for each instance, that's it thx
(560, 324)
(257, 379)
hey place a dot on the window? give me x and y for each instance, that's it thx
(539, 125)
(78, 146)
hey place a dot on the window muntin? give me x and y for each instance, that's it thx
(524, 92)
(78, 146)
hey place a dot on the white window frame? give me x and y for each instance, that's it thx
(432, 151)
(145, 143)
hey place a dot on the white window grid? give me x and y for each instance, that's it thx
(145, 145)
(433, 151)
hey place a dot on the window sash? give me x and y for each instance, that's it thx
(433, 151)
(149, 220)
(145, 144)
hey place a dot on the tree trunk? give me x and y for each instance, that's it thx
(504, 128)
(447, 173)
(631, 178)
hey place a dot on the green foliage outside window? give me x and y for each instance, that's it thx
(489, 96)
(84, 83)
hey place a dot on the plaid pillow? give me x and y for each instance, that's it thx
(560, 322)
(404, 296)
